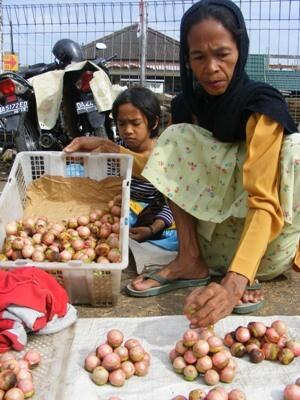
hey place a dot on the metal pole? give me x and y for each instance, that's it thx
(143, 40)
(11, 38)
(1, 38)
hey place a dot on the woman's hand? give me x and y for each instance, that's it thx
(207, 305)
(140, 233)
(92, 144)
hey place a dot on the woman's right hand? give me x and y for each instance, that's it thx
(207, 305)
(92, 144)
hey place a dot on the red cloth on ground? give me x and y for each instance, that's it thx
(33, 288)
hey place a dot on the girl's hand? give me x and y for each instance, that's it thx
(207, 305)
(140, 233)
(92, 144)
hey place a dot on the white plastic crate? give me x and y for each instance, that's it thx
(96, 284)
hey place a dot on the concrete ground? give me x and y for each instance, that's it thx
(282, 297)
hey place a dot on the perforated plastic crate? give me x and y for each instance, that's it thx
(96, 284)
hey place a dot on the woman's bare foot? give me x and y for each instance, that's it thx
(176, 269)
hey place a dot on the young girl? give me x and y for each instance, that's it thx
(232, 178)
(137, 114)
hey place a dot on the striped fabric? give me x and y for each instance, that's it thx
(145, 192)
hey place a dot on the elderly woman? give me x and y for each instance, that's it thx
(229, 167)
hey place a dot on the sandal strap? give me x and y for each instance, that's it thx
(155, 277)
(254, 286)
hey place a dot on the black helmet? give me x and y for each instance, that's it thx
(67, 51)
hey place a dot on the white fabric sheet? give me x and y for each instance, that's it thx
(148, 257)
(48, 89)
(264, 381)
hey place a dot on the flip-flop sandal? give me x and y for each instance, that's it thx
(166, 285)
(249, 307)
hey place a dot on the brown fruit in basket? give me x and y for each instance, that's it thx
(116, 211)
(72, 223)
(107, 218)
(52, 255)
(115, 227)
(114, 255)
(17, 244)
(102, 260)
(16, 255)
(105, 230)
(102, 249)
(11, 228)
(48, 238)
(118, 199)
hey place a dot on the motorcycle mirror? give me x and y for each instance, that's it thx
(101, 46)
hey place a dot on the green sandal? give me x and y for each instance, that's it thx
(166, 285)
(249, 307)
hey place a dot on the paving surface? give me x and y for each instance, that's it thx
(282, 296)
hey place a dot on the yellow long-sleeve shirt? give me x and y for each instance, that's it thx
(261, 178)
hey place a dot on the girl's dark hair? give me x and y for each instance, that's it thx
(143, 99)
(216, 12)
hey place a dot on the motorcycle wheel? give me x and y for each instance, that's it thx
(27, 137)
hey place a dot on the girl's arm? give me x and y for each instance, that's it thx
(142, 233)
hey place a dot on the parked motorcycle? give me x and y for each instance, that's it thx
(20, 122)
(79, 115)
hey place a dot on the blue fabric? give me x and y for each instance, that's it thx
(75, 170)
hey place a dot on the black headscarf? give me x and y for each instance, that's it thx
(226, 115)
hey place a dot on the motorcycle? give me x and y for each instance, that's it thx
(81, 115)
(20, 123)
(18, 113)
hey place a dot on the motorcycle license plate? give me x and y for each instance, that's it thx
(85, 106)
(13, 108)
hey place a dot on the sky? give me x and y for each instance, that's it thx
(273, 25)
(22, 2)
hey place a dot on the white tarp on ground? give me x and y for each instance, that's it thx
(149, 257)
(264, 381)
